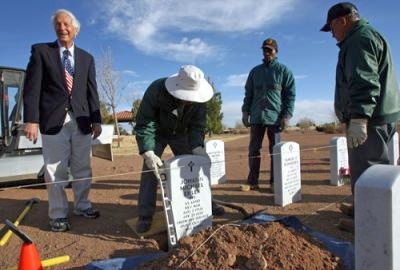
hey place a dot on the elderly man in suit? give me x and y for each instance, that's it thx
(61, 99)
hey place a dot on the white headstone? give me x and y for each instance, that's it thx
(189, 194)
(339, 161)
(287, 185)
(377, 218)
(216, 151)
(102, 145)
(393, 148)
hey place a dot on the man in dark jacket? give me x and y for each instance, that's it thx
(367, 96)
(172, 112)
(61, 99)
(267, 106)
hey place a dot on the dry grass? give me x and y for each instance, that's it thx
(128, 144)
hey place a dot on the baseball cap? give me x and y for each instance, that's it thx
(336, 11)
(270, 43)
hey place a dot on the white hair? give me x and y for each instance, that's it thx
(75, 21)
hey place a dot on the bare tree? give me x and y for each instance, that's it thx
(108, 80)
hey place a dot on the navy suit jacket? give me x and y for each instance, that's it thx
(46, 100)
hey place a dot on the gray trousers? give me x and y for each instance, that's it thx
(373, 151)
(68, 148)
(148, 181)
(257, 133)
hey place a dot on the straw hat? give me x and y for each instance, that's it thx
(189, 85)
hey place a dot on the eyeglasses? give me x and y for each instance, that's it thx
(267, 49)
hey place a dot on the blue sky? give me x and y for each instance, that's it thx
(150, 39)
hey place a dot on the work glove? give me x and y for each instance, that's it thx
(356, 132)
(245, 119)
(200, 151)
(284, 123)
(153, 162)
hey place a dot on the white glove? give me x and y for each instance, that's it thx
(356, 132)
(153, 162)
(245, 119)
(200, 151)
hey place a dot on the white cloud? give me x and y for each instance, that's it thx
(129, 72)
(172, 29)
(239, 80)
(320, 111)
(232, 113)
(300, 77)
(236, 80)
(289, 37)
(139, 86)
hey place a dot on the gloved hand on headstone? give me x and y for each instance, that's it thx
(245, 119)
(153, 162)
(356, 132)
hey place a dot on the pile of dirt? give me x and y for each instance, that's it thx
(255, 246)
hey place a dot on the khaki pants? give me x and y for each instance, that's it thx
(69, 148)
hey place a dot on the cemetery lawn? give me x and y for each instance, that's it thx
(115, 192)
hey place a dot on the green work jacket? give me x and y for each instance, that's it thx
(269, 93)
(366, 84)
(160, 114)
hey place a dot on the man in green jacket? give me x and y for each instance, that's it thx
(267, 106)
(172, 112)
(367, 96)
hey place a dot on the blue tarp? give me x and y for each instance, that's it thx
(344, 250)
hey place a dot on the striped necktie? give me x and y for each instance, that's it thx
(68, 71)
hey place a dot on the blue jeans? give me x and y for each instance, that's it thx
(257, 132)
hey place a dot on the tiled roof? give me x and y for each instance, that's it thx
(125, 116)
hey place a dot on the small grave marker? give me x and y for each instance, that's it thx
(393, 149)
(216, 151)
(339, 161)
(287, 185)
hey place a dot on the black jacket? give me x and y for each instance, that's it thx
(159, 115)
(46, 100)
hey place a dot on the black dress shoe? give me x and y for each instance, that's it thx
(143, 224)
(217, 210)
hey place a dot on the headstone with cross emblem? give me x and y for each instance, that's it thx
(188, 192)
(216, 151)
(287, 185)
(339, 161)
(393, 149)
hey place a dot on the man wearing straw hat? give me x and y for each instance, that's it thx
(172, 112)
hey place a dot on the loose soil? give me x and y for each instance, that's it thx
(115, 192)
(256, 246)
